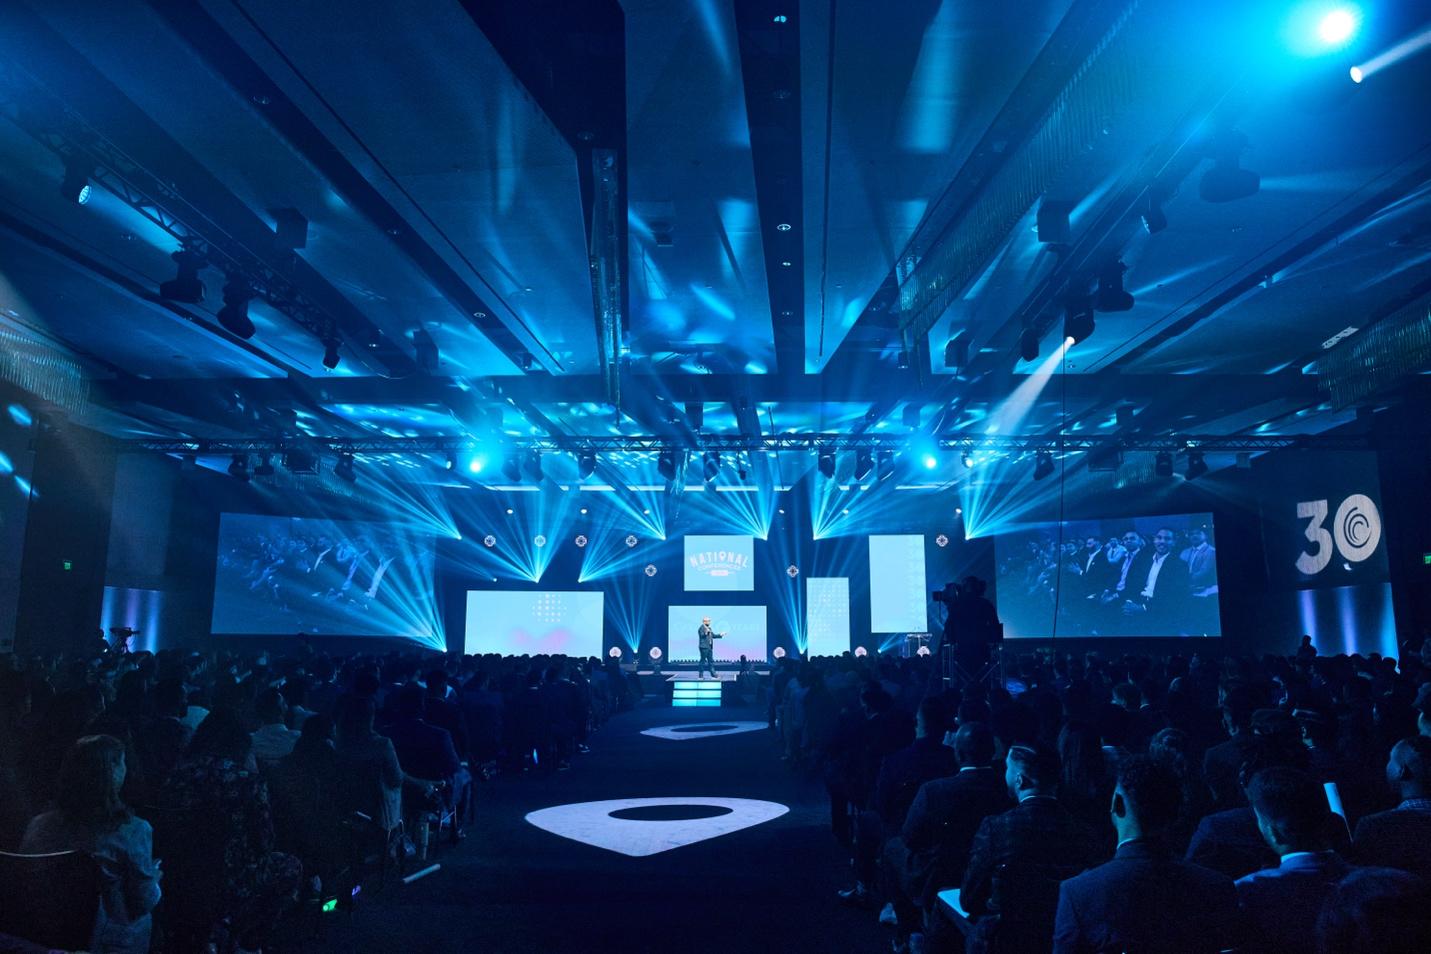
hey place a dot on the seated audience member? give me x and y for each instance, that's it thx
(1019, 856)
(92, 818)
(1144, 899)
(1376, 911)
(1221, 763)
(303, 788)
(362, 752)
(1423, 703)
(161, 743)
(273, 739)
(441, 710)
(482, 713)
(1171, 747)
(218, 783)
(1281, 903)
(424, 751)
(932, 850)
(1401, 837)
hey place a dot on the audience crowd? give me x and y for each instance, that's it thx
(219, 794)
(1129, 804)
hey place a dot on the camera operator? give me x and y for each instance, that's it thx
(972, 625)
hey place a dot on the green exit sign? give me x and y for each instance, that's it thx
(1426, 559)
(70, 564)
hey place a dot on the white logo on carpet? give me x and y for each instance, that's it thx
(702, 730)
(596, 824)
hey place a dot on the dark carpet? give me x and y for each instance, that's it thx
(512, 887)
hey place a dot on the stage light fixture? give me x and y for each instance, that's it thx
(1356, 74)
(1104, 459)
(1197, 466)
(75, 185)
(864, 463)
(1227, 181)
(1112, 296)
(451, 461)
(344, 468)
(233, 316)
(264, 467)
(330, 353)
(741, 473)
(710, 465)
(1338, 26)
(1043, 465)
(512, 468)
(586, 464)
(825, 464)
(581, 540)
(956, 352)
(1052, 222)
(186, 286)
(650, 569)
(666, 465)
(968, 459)
(1163, 464)
(532, 464)
(696, 414)
(1153, 216)
(884, 461)
(631, 540)
(238, 467)
(474, 466)
(1078, 323)
(941, 541)
(1028, 344)
(792, 571)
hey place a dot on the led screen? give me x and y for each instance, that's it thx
(720, 563)
(287, 575)
(827, 616)
(528, 622)
(744, 628)
(1128, 576)
(898, 601)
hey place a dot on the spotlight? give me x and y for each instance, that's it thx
(532, 464)
(650, 569)
(581, 540)
(344, 468)
(233, 317)
(929, 461)
(238, 468)
(185, 286)
(1338, 26)
(474, 466)
(75, 185)
(1112, 296)
(265, 466)
(1043, 465)
(586, 464)
(825, 464)
(884, 461)
(512, 468)
(1163, 464)
(902, 362)
(451, 461)
(741, 473)
(696, 414)
(1196, 465)
(968, 459)
(1357, 75)
(1028, 344)
(1078, 322)
(330, 353)
(864, 463)
(710, 465)
(666, 465)
(956, 352)
(1227, 181)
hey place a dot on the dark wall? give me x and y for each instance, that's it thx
(1404, 452)
(66, 539)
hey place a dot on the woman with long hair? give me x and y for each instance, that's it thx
(91, 817)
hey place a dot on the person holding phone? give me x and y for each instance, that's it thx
(706, 637)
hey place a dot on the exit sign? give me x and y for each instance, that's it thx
(1426, 559)
(70, 564)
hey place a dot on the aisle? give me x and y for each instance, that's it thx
(513, 887)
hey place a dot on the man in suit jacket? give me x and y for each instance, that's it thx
(1157, 588)
(1401, 837)
(426, 752)
(1144, 899)
(932, 850)
(1281, 904)
(1019, 856)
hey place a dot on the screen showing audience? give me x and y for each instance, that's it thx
(744, 628)
(827, 616)
(528, 622)
(898, 601)
(287, 575)
(720, 563)
(1138, 576)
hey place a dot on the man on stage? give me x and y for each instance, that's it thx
(706, 638)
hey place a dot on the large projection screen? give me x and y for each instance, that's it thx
(744, 627)
(827, 616)
(288, 575)
(529, 622)
(719, 563)
(898, 601)
(1096, 578)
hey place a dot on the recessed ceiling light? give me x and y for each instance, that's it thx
(780, 18)
(787, 264)
(787, 312)
(783, 227)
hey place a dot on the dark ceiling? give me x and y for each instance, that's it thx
(601, 214)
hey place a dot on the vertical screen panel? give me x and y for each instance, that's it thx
(898, 601)
(827, 615)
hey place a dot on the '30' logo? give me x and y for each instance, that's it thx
(1356, 531)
